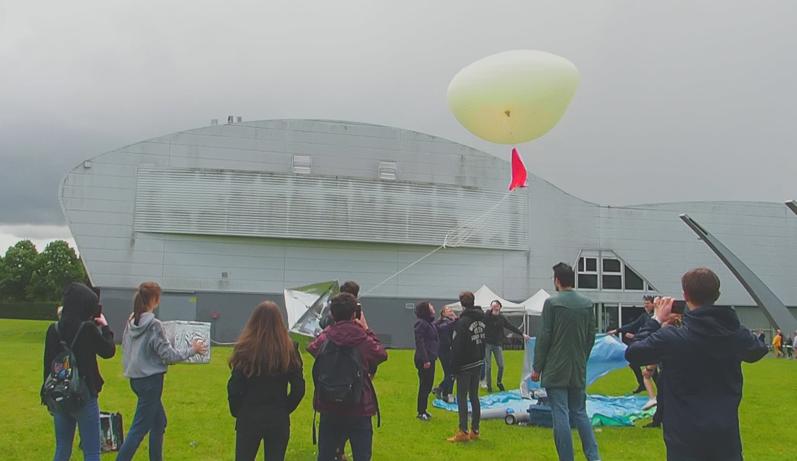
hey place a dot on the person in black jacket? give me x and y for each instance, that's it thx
(83, 325)
(629, 331)
(264, 363)
(427, 343)
(467, 357)
(496, 323)
(702, 373)
(445, 331)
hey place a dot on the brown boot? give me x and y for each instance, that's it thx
(474, 435)
(459, 437)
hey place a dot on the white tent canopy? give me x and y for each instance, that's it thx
(484, 296)
(534, 304)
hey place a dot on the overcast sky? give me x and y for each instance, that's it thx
(678, 100)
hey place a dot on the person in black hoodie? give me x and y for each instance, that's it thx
(427, 343)
(702, 372)
(496, 323)
(264, 362)
(83, 325)
(445, 332)
(467, 357)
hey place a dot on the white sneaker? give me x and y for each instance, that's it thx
(450, 398)
(650, 404)
(483, 384)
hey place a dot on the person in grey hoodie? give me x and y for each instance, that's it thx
(147, 353)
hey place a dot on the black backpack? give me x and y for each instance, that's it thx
(64, 390)
(338, 374)
(339, 378)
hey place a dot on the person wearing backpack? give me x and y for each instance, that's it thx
(427, 343)
(264, 362)
(147, 353)
(71, 347)
(467, 357)
(347, 355)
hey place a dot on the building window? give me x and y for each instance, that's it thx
(587, 273)
(388, 171)
(302, 164)
(611, 274)
(632, 280)
(612, 277)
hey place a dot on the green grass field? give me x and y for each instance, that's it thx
(200, 427)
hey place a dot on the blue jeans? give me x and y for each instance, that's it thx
(87, 420)
(150, 417)
(489, 350)
(333, 430)
(569, 405)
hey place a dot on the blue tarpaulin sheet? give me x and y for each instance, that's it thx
(607, 354)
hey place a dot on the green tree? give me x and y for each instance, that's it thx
(19, 262)
(55, 267)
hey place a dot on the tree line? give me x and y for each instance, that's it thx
(27, 275)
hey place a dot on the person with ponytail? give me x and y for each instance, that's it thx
(147, 353)
(264, 363)
(81, 325)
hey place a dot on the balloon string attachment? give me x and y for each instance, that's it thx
(508, 112)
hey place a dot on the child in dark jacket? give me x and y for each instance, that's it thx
(427, 343)
(83, 326)
(264, 362)
(445, 331)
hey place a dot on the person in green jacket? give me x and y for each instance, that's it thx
(560, 359)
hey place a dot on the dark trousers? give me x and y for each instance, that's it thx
(468, 390)
(149, 418)
(425, 383)
(446, 386)
(638, 373)
(333, 430)
(274, 437)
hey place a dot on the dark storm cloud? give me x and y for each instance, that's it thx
(678, 100)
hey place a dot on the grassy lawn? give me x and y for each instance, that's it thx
(201, 428)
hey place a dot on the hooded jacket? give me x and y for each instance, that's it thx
(703, 377)
(427, 341)
(445, 332)
(147, 352)
(467, 348)
(350, 334)
(81, 305)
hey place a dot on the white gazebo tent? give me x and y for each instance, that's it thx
(484, 296)
(533, 307)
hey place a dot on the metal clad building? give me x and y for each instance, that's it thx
(227, 215)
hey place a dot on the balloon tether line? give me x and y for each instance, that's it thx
(456, 242)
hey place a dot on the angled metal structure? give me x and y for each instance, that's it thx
(792, 204)
(777, 312)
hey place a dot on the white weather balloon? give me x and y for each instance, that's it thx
(514, 96)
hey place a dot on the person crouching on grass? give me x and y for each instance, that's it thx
(427, 343)
(264, 362)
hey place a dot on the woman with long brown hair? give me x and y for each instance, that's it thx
(264, 362)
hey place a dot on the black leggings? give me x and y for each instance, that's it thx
(274, 437)
(425, 383)
(468, 390)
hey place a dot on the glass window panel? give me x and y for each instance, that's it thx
(633, 281)
(611, 265)
(591, 264)
(587, 281)
(581, 264)
(612, 282)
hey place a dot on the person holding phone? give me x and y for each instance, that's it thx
(82, 324)
(147, 353)
(702, 375)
